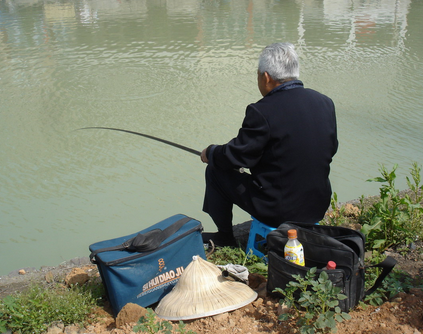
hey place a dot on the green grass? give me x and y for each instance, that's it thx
(225, 255)
(35, 309)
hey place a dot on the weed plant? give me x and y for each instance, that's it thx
(337, 215)
(225, 255)
(397, 281)
(316, 310)
(34, 310)
(151, 324)
(390, 220)
(394, 219)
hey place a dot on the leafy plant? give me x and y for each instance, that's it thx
(150, 324)
(316, 309)
(393, 219)
(414, 202)
(397, 281)
(34, 310)
(226, 255)
(415, 185)
(337, 215)
(181, 329)
(3, 328)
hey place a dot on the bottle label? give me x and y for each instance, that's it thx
(295, 254)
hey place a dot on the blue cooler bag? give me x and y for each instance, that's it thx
(143, 267)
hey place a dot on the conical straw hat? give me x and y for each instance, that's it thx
(202, 291)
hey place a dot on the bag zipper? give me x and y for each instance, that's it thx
(139, 255)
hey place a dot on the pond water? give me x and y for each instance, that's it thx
(182, 71)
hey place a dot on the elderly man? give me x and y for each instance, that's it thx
(287, 140)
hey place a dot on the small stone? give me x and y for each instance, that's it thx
(406, 329)
(396, 300)
(54, 330)
(221, 317)
(258, 302)
(130, 313)
(76, 276)
(71, 329)
(90, 329)
(58, 324)
(249, 308)
(282, 309)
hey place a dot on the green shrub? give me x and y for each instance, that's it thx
(34, 310)
(316, 310)
(394, 219)
(397, 281)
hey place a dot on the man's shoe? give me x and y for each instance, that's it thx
(219, 239)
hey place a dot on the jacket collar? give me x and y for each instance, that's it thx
(286, 86)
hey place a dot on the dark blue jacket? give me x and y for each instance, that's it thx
(287, 140)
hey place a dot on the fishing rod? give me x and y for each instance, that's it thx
(182, 147)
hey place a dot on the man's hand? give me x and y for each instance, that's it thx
(204, 156)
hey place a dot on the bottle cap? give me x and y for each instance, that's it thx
(331, 265)
(292, 234)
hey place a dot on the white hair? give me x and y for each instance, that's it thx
(280, 61)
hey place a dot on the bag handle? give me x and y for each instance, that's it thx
(144, 242)
(387, 265)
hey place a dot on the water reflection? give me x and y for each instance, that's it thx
(184, 71)
(349, 23)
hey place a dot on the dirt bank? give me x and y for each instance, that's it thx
(402, 314)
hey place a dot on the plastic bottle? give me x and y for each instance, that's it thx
(330, 266)
(294, 251)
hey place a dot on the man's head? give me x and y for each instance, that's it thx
(278, 62)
